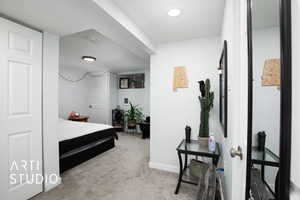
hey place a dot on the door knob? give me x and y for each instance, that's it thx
(236, 152)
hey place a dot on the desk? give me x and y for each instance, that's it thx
(79, 118)
(196, 149)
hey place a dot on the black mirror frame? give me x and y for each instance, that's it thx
(285, 97)
(223, 75)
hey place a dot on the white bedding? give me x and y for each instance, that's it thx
(70, 129)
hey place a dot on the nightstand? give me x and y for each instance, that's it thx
(79, 118)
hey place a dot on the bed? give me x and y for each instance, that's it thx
(81, 141)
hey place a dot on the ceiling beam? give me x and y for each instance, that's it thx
(117, 14)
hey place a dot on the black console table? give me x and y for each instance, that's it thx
(195, 149)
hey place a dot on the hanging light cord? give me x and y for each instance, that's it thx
(74, 81)
(82, 77)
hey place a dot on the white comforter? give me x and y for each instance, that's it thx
(70, 129)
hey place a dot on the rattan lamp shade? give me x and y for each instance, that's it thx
(180, 78)
(271, 73)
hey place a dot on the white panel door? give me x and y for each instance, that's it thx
(20, 111)
(98, 99)
(239, 99)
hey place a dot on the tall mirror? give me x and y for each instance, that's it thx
(266, 95)
(265, 128)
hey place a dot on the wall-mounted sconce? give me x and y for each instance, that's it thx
(180, 79)
(271, 73)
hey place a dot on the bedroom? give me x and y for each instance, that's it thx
(91, 94)
(71, 69)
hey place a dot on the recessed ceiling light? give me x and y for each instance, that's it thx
(174, 12)
(88, 58)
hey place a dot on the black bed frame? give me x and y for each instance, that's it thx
(77, 150)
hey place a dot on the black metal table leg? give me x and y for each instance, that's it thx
(180, 173)
(277, 185)
(263, 167)
(215, 161)
(185, 161)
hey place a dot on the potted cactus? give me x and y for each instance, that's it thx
(206, 102)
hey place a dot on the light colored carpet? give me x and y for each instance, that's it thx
(119, 174)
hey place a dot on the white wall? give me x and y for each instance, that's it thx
(266, 100)
(139, 97)
(97, 89)
(172, 111)
(50, 106)
(295, 174)
(72, 96)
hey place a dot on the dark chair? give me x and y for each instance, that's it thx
(145, 128)
(118, 119)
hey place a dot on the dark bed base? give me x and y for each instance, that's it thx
(78, 150)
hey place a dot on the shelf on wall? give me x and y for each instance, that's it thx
(132, 81)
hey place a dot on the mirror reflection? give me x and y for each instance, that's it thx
(266, 98)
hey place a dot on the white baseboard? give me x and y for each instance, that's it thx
(164, 167)
(49, 186)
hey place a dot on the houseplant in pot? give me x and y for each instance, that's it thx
(206, 101)
(133, 115)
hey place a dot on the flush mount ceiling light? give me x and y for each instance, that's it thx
(88, 58)
(174, 12)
